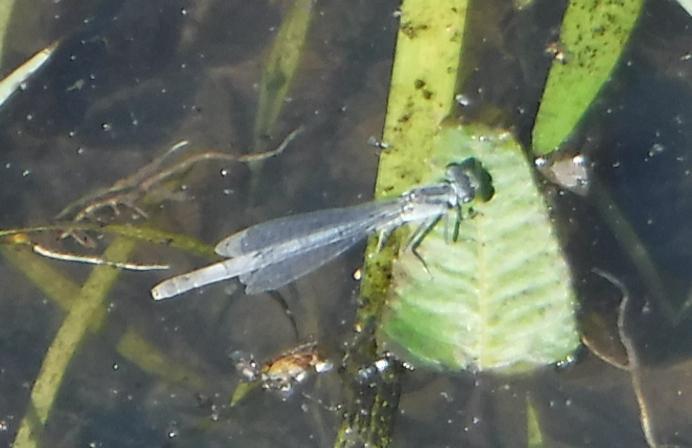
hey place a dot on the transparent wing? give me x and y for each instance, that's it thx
(281, 230)
(279, 274)
(300, 239)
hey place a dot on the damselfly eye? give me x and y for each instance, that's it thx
(471, 179)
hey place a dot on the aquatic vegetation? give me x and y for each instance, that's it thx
(493, 295)
(499, 298)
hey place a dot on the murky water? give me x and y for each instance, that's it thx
(130, 79)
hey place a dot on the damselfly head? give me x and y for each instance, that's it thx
(470, 181)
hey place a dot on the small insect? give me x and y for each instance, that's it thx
(557, 52)
(380, 145)
(272, 254)
(287, 370)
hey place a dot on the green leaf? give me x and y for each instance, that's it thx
(592, 38)
(500, 297)
(281, 66)
(242, 390)
(533, 426)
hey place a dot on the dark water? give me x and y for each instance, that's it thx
(130, 79)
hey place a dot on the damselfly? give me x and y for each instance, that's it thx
(272, 254)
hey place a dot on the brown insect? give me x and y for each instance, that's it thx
(286, 370)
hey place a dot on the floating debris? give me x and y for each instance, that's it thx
(572, 172)
(16, 80)
(284, 372)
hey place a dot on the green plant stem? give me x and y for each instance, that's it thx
(422, 91)
(70, 335)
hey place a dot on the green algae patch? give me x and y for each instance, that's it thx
(500, 297)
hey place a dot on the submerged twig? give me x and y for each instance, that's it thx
(142, 233)
(127, 191)
(633, 365)
(215, 155)
(634, 247)
(23, 239)
(99, 198)
(87, 259)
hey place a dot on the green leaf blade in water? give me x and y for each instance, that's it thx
(501, 296)
(593, 35)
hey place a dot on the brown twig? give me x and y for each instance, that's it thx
(633, 365)
(23, 240)
(127, 191)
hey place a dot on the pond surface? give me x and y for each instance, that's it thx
(129, 80)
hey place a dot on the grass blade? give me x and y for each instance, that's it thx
(592, 38)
